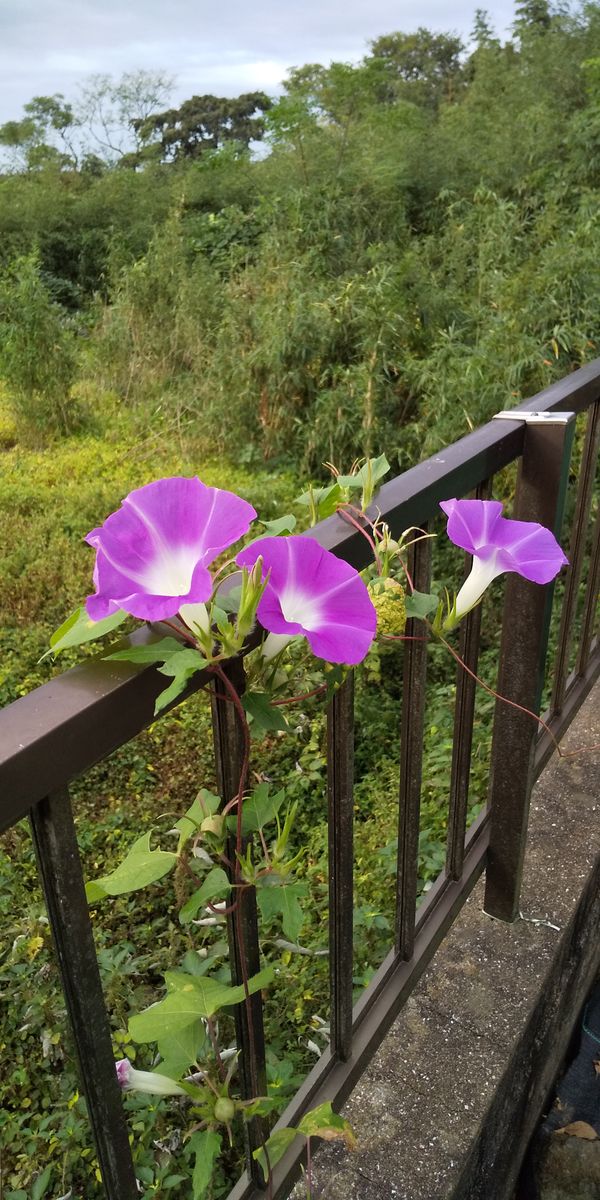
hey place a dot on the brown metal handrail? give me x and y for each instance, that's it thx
(60, 730)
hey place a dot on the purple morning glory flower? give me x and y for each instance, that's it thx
(152, 555)
(151, 1082)
(311, 592)
(498, 545)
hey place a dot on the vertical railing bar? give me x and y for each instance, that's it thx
(541, 493)
(249, 1025)
(464, 711)
(61, 875)
(577, 547)
(411, 757)
(590, 604)
(340, 786)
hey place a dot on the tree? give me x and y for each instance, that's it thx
(483, 31)
(31, 138)
(532, 16)
(112, 111)
(423, 67)
(202, 123)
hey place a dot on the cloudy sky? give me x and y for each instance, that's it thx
(49, 46)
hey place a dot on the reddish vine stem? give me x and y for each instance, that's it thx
(521, 708)
(183, 633)
(343, 512)
(307, 695)
(236, 910)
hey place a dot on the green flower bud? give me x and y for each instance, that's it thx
(224, 1110)
(212, 824)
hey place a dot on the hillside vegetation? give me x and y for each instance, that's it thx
(414, 246)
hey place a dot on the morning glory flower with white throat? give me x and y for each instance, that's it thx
(153, 554)
(150, 1082)
(497, 545)
(311, 592)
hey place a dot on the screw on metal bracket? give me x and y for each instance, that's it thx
(534, 418)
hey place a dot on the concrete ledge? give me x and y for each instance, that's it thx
(449, 1102)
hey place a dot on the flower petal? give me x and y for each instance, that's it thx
(471, 523)
(530, 549)
(312, 592)
(498, 545)
(153, 553)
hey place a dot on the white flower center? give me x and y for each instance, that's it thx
(170, 574)
(301, 609)
(483, 571)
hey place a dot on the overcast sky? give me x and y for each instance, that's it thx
(49, 46)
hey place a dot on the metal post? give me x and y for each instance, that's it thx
(541, 492)
(62, 880)
(340, 783)
(411, 759)
(229, 752)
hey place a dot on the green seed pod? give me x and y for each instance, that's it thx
(224, 1110)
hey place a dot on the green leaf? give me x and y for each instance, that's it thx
(216, 883)
(206, 1147)
(153, 652)
(420, 604)
(285, 524)
(189, 998)
(323, 1122)
(265, 717)
(282, 898)
(38, 1190)
(326, 500)
(79, 628)
(179, 1051)
(141, 866)
(276, 1147)
(181, 666)
(260, 808)
(378, 468)
(203, 806)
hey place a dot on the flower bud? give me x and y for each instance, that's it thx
(150, 1082)
(224, 1110)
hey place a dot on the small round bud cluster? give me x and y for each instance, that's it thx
(389, 602)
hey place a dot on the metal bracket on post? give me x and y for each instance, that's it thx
(540, 497)
(534, 418)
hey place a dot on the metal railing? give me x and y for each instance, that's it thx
(60, 730)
